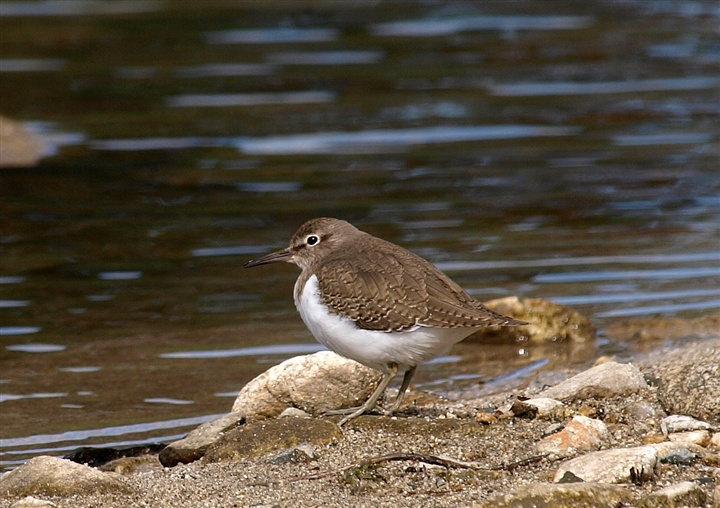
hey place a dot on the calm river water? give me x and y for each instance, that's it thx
(562, 150)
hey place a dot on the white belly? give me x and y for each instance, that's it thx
(375, 349)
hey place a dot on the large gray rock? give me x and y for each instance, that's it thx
(689, 380)
(619, 465)
(312, 383)
(256, 439)
(51, 476)
(567, 495)
(679, 495)
(315, 383)
(605, 380)
(193, 446)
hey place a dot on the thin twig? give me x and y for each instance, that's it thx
(436, 460)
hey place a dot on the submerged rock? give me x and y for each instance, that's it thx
(548, 321)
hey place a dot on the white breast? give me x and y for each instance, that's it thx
(376, 349)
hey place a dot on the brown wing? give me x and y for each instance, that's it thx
(397, 290)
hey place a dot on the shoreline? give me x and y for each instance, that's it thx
(491, 451)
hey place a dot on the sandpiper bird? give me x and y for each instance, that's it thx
(377, 303)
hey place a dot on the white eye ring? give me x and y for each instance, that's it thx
(312, 240)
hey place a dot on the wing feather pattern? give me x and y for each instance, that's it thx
(396, 290)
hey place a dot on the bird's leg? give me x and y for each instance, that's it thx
(401, 394)
(372, 401)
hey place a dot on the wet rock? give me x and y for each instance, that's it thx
(95, 457)
(256, 439)
(567, 495)
(132, 465)
(689, 380)
(605, 380)
(547, 407)
(18, 146)
(51, 476)
(33, 502)
(314, 383)
(620, 465)
(680, 457)
(581, 434)
(193, 446)
(684, 494)
(549, 321)
(682, 423)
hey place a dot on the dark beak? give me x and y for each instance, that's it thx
(274, 257)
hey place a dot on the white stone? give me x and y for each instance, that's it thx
(579, 435)
(314, 383)
(33, 502)
(682, 423)
(545, 405)
(613, 466)
(698, 437)
(604, 380)
(51, 476)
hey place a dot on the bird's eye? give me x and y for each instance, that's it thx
(312, 240)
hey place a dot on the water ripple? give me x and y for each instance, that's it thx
(587, 260)
(604, 87)
(81, 435)
(249, 99)
(19, 330)
(278, 349)
(13, 304)
(272, 35)
(382, 140)
(443, 26)
(667, 273)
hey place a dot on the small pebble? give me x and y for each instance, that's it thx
(552, 429)
(680, 457)
(681, 423)
(293, 412)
